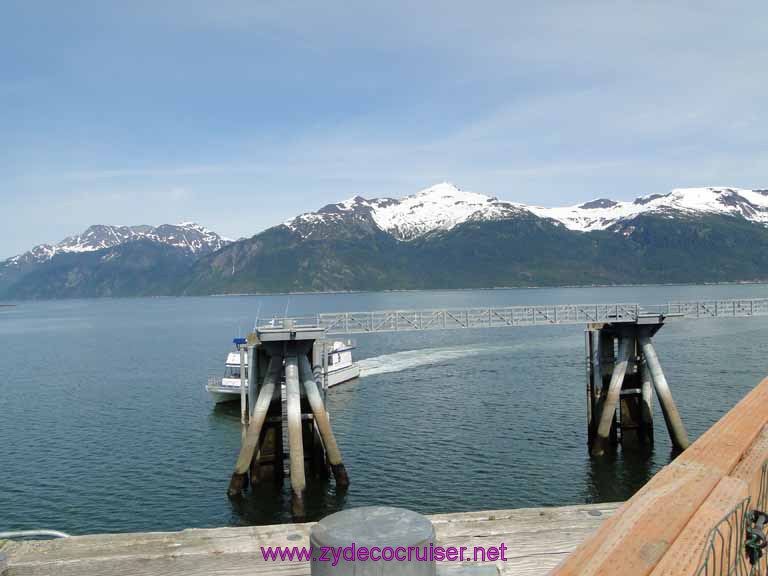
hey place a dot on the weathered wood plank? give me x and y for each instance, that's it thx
(724, 444)
(750, 468)
(537, 539)
(684, 556)
(636, 538)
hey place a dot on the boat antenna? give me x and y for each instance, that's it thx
(258, 313)
(285, 314)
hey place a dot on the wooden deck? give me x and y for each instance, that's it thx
(537, 538)
(664, 528)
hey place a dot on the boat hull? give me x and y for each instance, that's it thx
(222, 394)
(345, 374)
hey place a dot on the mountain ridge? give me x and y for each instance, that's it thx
(440, 237)
(443, 206)
(186, 235)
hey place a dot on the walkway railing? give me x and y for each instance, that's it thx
(514, 316)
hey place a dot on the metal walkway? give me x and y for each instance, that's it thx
(512, 316)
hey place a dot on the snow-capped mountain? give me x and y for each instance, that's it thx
(189, 236)
(440, 207)
(440, 237)
(601, 214)
(444, 206)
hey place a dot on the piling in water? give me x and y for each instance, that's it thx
(295, 436)
(609, 404)
(322, 422)
(675, 426)
(251, 441)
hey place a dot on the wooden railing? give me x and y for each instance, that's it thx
(690, 519)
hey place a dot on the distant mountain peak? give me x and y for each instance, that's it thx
(443, 206)
(601, 214)
(188, 236)
(437, 208)
(599, 203)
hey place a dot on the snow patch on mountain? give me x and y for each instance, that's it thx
(437, 208)
(188, 236)
(603, 213)
(444, 206)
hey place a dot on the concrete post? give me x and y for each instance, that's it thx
(373, 527)
(323, 423)
(677, 432)
(609, 403)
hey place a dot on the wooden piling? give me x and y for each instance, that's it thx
(323, 422)
(243, 400)
(607, 351)
(251, 441)
(675, 426)
(253, 378)
(646, 391)
(609, 403)
(295, 440)
(594, 378)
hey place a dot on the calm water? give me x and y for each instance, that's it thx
(105, 425)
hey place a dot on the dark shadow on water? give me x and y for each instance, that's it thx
(616, 476)
(225, 416)
(270, 503)
(227, 410)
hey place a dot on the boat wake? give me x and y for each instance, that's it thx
(406, 360)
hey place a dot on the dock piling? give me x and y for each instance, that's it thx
(323, 423)
(251, 441)
(675, 426)
(293, 415)
(295, 436)
(620, 389)
(608, 405)
(646, 391)
(243, 402)
(253, 379)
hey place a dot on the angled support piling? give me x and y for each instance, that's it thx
(646, 391)
(609, 403)
(677, 432)
(323, 422)
(295, 437)
(251, 441)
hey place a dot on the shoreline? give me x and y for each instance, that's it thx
(490, 289)
(398, 291)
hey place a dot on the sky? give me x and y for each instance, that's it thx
(239, 114)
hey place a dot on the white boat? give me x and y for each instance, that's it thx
(339, 368)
